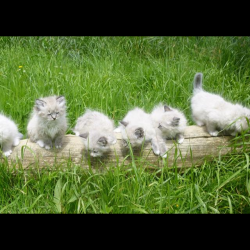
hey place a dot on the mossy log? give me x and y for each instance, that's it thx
(197, 146)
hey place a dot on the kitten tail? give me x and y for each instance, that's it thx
(198, 81)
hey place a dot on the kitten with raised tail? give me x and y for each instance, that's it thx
(97, 132)
(9, 135)
(170, 123)
(216, 113)
(136, 128)
(48, 122)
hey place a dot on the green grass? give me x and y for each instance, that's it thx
(113, 75)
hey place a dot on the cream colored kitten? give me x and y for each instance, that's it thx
(136, 128)
(215, 113)
(48, 122)
(9, 135)
(97, 132)
(169, 123)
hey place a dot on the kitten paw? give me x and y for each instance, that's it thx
(233, 133)
(117, 130)
(47, 147)
(16, 142)
(58, 146)
(157, 152)
(7, 153)
(180, 140)
(214, 133)
(164, 155)
(40, 143)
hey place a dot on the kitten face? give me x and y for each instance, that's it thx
(169, 124)
(132, 134)
(168, 119)
(96, 144)
(50, 108)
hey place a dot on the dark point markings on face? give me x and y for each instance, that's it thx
(166, 108)
(84, 136)
(175, 121)
(102, 141)
(123, 123)
(139, 133)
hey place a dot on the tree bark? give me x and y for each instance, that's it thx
(197, 146)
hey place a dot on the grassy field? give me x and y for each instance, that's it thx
(113, 75)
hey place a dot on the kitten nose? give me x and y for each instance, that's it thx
(53, 118)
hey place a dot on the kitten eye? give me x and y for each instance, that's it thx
(95, 151)
(57, 113)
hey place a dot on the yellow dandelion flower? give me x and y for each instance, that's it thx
(177, 205)
(20, 67)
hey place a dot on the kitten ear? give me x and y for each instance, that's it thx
(139, 133)
(84, 136)
(159, 125)
(175, 121)
(123, 123)
(61, 100)
(166, 108)
(102, 141)
(39, 104)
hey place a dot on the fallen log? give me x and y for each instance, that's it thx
(197, 146)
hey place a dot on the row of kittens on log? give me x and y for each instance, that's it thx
(48, 123)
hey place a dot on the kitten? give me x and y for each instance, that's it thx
(215, 113)
(136, 127)
(48, 122)
(169, 123)
(9, 135)
(97, 131)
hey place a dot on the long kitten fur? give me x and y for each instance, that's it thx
(136, 128)
(97, 131)
(48, 122)
(9, 135)
(169, 123)
(215, 113)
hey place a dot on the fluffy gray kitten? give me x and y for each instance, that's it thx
(169, 123)
(9, 135)
(136, 128)
(215, 113)
(97, 131)
(48, 122)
